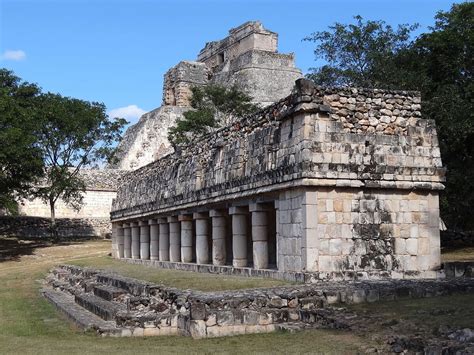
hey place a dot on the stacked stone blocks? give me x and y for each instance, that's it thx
(346, 200)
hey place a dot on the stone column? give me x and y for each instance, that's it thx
(175, 239)
(120, 240)
(135, 240)
(259, 235)
(114, 240)
(127, 240)
(144, 240)
(186, 237)
(154, 238)
(218, 236)
(239, 236)
(164, 240)
(202, 237)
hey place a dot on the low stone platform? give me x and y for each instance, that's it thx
(121, 306)
(448, 270)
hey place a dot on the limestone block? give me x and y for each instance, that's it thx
(174, 239)
(154, 239)
(138, 332)
(197, 329)
(423, 246)
(135, 240)
(335, 246)
(325, 263)
(211, 320)
(412, 246)
(186, 238)
(400, 246)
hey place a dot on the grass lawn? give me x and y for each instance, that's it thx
(457, 254)
(30, 325)
(177, 278)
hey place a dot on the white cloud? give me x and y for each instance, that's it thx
(131, 113)
(15, 55)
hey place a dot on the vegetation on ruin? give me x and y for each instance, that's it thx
(214, 106)
(46, 140)
(438, 63)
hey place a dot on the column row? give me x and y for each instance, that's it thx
(174, 238)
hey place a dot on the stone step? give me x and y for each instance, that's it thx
(108, 293)
(82, 318)
(133, 286)
(104, 309)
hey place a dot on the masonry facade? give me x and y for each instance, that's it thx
(91, 220)
(329, 182)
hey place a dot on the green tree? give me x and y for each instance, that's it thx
(438, 63)
(74, 134)
(213, 106)
(20, 159)
(441, 65)
(358, 54)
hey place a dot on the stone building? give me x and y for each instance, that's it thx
(246, 59)
(331, 183)
(93, 219)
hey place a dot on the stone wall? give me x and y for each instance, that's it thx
(179, 80)
(347, 199)
(38, 227)
(297, 139)
(251, 71)
(147, 140)
(248, 36)
(372, 231)
(139, 308)
(101, 187)
(247, 58)
(96, 204)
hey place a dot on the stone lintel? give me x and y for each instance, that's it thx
(185, 217)
(304, 182)
(238, 210)
(172, 219)
(162, 220)
(152, 221)
(255, 207)
(143, 223)
(200, 215)
(218, 213)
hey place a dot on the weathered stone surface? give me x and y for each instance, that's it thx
(155, 310)
(39, 227)
(246, 59)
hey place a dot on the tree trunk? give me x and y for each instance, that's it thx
(53, 226)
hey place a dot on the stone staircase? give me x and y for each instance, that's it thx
(113, 305)
(108, 304)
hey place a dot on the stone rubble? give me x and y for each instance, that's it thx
(142, 308)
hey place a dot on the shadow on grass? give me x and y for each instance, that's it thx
(13, 248)
(462, 253)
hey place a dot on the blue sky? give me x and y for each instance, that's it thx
(116, 52)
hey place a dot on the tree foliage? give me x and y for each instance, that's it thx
(74, 134)
(438, 63)
(356, 54)
(46, 139)
(213, 106)
(20, 158)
